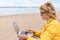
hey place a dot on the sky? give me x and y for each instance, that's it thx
(25, 3)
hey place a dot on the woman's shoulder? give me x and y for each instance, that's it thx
(54, 26)
(55, 21)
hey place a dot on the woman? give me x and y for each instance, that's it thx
(51, 30)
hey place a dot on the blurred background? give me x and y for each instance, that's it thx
(10, 7)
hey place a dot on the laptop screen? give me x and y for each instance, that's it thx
(16, 27)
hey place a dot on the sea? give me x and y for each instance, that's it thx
(20, 10)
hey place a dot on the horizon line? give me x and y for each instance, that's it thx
(18, 7)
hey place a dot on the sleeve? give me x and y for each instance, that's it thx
(31, 38)
(37, 34)
(49, 33)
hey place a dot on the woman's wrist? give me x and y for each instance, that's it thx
(34, 33)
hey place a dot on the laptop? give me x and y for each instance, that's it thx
(17, 30)
(16, 27)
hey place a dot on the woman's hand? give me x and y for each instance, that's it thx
(30, 30)
(23, 37)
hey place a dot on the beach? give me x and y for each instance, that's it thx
(7, 31)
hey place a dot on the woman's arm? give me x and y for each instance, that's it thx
(31, 38)
(36, 34)
(49, 33)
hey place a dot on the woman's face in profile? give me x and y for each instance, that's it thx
(44, 15)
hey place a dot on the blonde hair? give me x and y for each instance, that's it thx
(49, 7)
